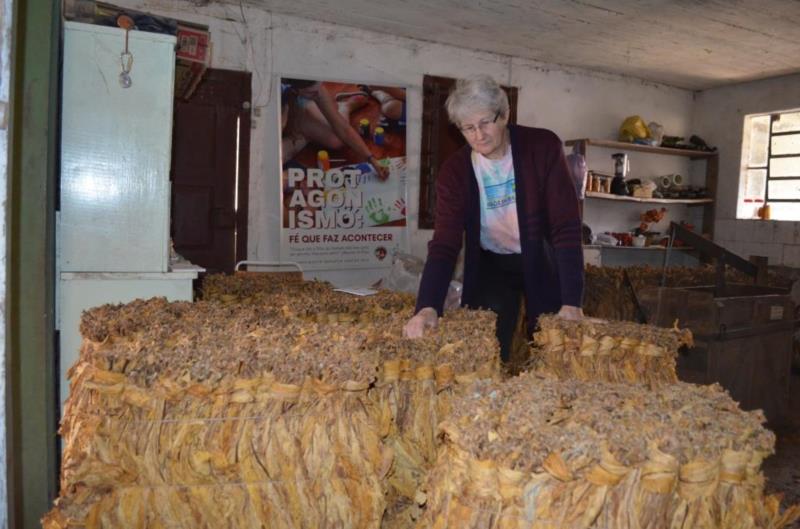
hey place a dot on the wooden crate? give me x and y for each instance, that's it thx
(743, 339)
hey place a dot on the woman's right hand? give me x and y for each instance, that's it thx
(425, 318)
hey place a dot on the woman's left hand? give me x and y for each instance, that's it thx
(568, 312)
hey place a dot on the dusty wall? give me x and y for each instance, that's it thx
(574, 103)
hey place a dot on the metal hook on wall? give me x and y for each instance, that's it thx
(126, 57)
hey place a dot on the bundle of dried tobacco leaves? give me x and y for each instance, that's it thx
(611, 351)
(535, 453)
(214, 414)
(416, 380)
(415, 390)
(206, 415)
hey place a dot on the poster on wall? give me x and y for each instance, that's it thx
(343, 157)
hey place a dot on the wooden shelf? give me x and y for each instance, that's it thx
(711, 160)
(635, 147)
(687, 201)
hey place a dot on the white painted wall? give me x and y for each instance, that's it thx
(574, 103)
(581, 104)
(719, 118)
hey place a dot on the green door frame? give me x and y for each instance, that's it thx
(30, 343)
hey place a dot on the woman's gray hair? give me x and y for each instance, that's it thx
(475, 94)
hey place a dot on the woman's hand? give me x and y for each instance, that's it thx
(568, 312)
(425, 318)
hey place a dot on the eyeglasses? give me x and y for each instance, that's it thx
(483, 124)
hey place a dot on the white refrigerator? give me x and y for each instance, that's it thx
(112, 234)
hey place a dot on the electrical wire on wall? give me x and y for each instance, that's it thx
(247, 41)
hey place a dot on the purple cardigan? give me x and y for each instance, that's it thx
(549, 227)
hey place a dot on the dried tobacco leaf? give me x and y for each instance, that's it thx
(533, 452)
(248, 410)
(612, 351)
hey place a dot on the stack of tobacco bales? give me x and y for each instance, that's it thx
(616, 351)
(608, 296)
(417, 377)
(253, 414)
(190, 415)
(283, 404)
(534, 453)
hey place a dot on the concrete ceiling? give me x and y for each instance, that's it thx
(692, 44)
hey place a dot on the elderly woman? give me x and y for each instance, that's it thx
(509, 195)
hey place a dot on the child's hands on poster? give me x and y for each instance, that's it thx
(381, 170)
(400, 205)
(376, 212)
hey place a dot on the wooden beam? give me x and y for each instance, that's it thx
(33, 465)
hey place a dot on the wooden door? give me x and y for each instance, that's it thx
(210, 159)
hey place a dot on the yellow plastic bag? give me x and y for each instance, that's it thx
(633, 128)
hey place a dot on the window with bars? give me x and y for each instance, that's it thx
(771, 165)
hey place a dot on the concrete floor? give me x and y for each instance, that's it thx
(783, 469)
